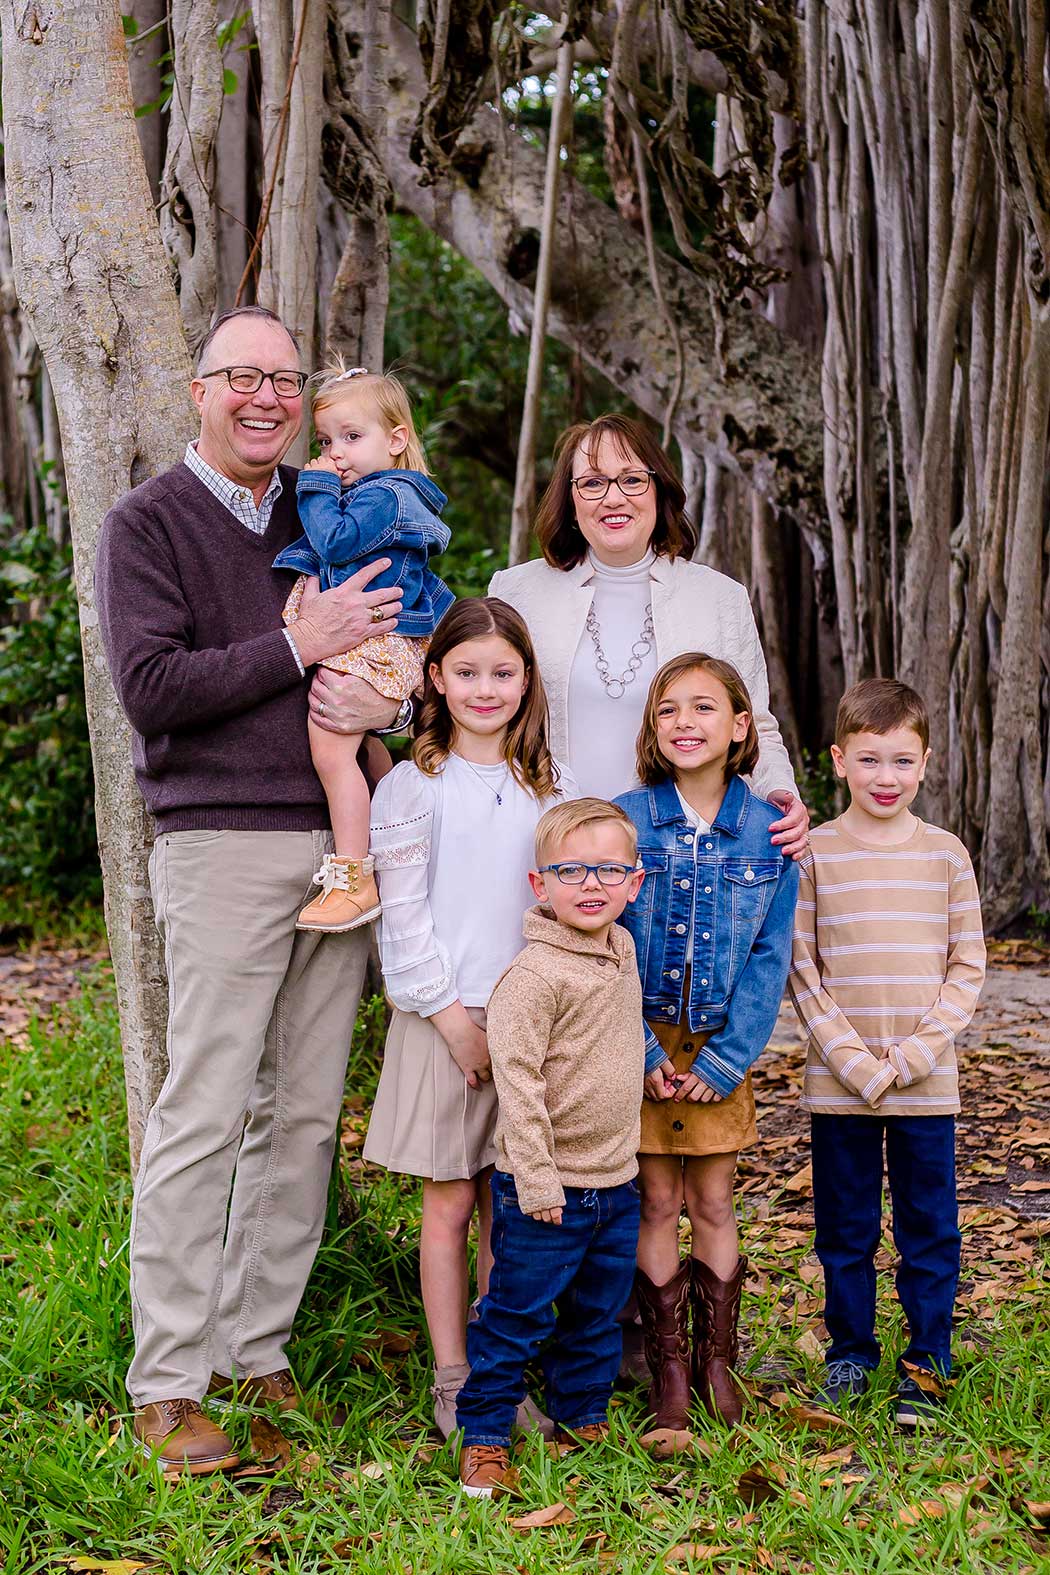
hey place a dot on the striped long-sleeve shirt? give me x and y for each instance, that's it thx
(887, 966)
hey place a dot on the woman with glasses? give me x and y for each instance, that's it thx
(615, 595)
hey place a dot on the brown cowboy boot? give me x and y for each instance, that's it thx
(716, 1312)
(665, 1320)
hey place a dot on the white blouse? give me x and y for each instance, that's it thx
(603, 730)
(452, 863)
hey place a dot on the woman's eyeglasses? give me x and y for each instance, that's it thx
(249, 379)
(576, 874)
(632, 483)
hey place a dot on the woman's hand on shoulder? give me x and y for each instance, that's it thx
(791, 833)
(696, 1091)
(660, 1084)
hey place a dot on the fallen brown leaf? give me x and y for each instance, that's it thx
(93, 1566)
(757, 1486)
(812, 1416)
(695, 1552)
(269, 1445)
(550, 1515)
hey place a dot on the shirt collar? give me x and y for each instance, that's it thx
(230, 492)
(665, 806)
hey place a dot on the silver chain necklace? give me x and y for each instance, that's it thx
(615, 687)
(497, 795)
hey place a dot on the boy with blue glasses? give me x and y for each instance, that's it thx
(566, 1038)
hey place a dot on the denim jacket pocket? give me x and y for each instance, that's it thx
(751, 885)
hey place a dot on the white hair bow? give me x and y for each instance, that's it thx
(353, 371)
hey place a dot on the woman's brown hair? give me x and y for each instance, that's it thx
(525, 748)
(560, 536)
(653, 766)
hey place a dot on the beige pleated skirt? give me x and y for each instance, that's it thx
(426, 1120)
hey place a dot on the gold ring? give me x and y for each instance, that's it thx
(378, 615)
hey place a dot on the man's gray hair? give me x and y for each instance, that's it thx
(233, 313)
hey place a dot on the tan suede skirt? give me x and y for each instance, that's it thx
(426, 1121)
(691, 1128)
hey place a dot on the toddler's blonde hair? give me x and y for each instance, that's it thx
(558, 823)
(336, 381)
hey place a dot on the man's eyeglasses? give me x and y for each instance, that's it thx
(576, 874)
(249, 379)
(632, 483)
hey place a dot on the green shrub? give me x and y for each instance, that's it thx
(48, 848)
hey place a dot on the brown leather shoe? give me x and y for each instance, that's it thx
(349, 896)
(665, 1319)
(484, 1470)
(716, 1313)
(589, 1433)
(178, 1435)
(277, 1389)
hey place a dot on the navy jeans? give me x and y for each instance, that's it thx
(847, 1205)
(584, 1267)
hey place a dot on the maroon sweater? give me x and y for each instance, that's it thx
(190, 614)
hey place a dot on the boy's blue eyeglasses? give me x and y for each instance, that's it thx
(576, 874)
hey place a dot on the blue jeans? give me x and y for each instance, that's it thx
(847, 1206)
(585, 1266)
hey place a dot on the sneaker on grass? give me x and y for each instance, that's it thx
(844, 1383)
(920, 1399)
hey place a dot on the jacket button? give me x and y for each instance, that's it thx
(704, 981)
(709, 846)
(679, 929)
(707, 890)
(677, 1126)
(703, 1017)
(689, 838)
(707, 935)
(684, 885)
(674, 974)
(601, 961)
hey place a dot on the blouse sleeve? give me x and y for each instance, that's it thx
(417, 968)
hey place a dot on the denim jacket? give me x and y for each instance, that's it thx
(743, 920)
(390, 514)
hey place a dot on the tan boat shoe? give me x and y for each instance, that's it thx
(484, 1470)
(589, 1433)
(178, 1435)
(272, 1389)
(349, 896)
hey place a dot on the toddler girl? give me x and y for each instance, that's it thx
(712, 927)
(368, 496)
(452, 838)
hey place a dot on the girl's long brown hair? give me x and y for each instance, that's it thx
(525, 747)
(653, 766)
(559, 535)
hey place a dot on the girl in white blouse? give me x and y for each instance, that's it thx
(452, 838)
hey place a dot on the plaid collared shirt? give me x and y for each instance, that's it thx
(239, 500)
(241, 503)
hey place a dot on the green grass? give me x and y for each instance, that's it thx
(69, 1486)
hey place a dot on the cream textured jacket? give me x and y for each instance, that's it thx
(694, 609)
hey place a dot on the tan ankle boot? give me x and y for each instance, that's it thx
(349, 896)
(178, 1435)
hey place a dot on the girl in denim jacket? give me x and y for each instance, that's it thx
(712, 927)
(368, 496)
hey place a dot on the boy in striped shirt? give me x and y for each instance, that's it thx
(887, 967)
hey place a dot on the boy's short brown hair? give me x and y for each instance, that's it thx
(878, 705)
(561, 821)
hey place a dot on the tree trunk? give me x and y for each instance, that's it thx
(356, 321)
(187, 222)
(525, 475)
(100, 302)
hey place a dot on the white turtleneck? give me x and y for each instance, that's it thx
(603, 731)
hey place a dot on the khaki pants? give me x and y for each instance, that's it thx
(232, 1184)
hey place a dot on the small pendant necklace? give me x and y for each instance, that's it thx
(496, 793)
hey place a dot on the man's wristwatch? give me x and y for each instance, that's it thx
(401, 722)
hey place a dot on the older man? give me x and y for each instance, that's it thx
(231, 1189)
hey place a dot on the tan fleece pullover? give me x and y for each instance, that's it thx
(568, 1049)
